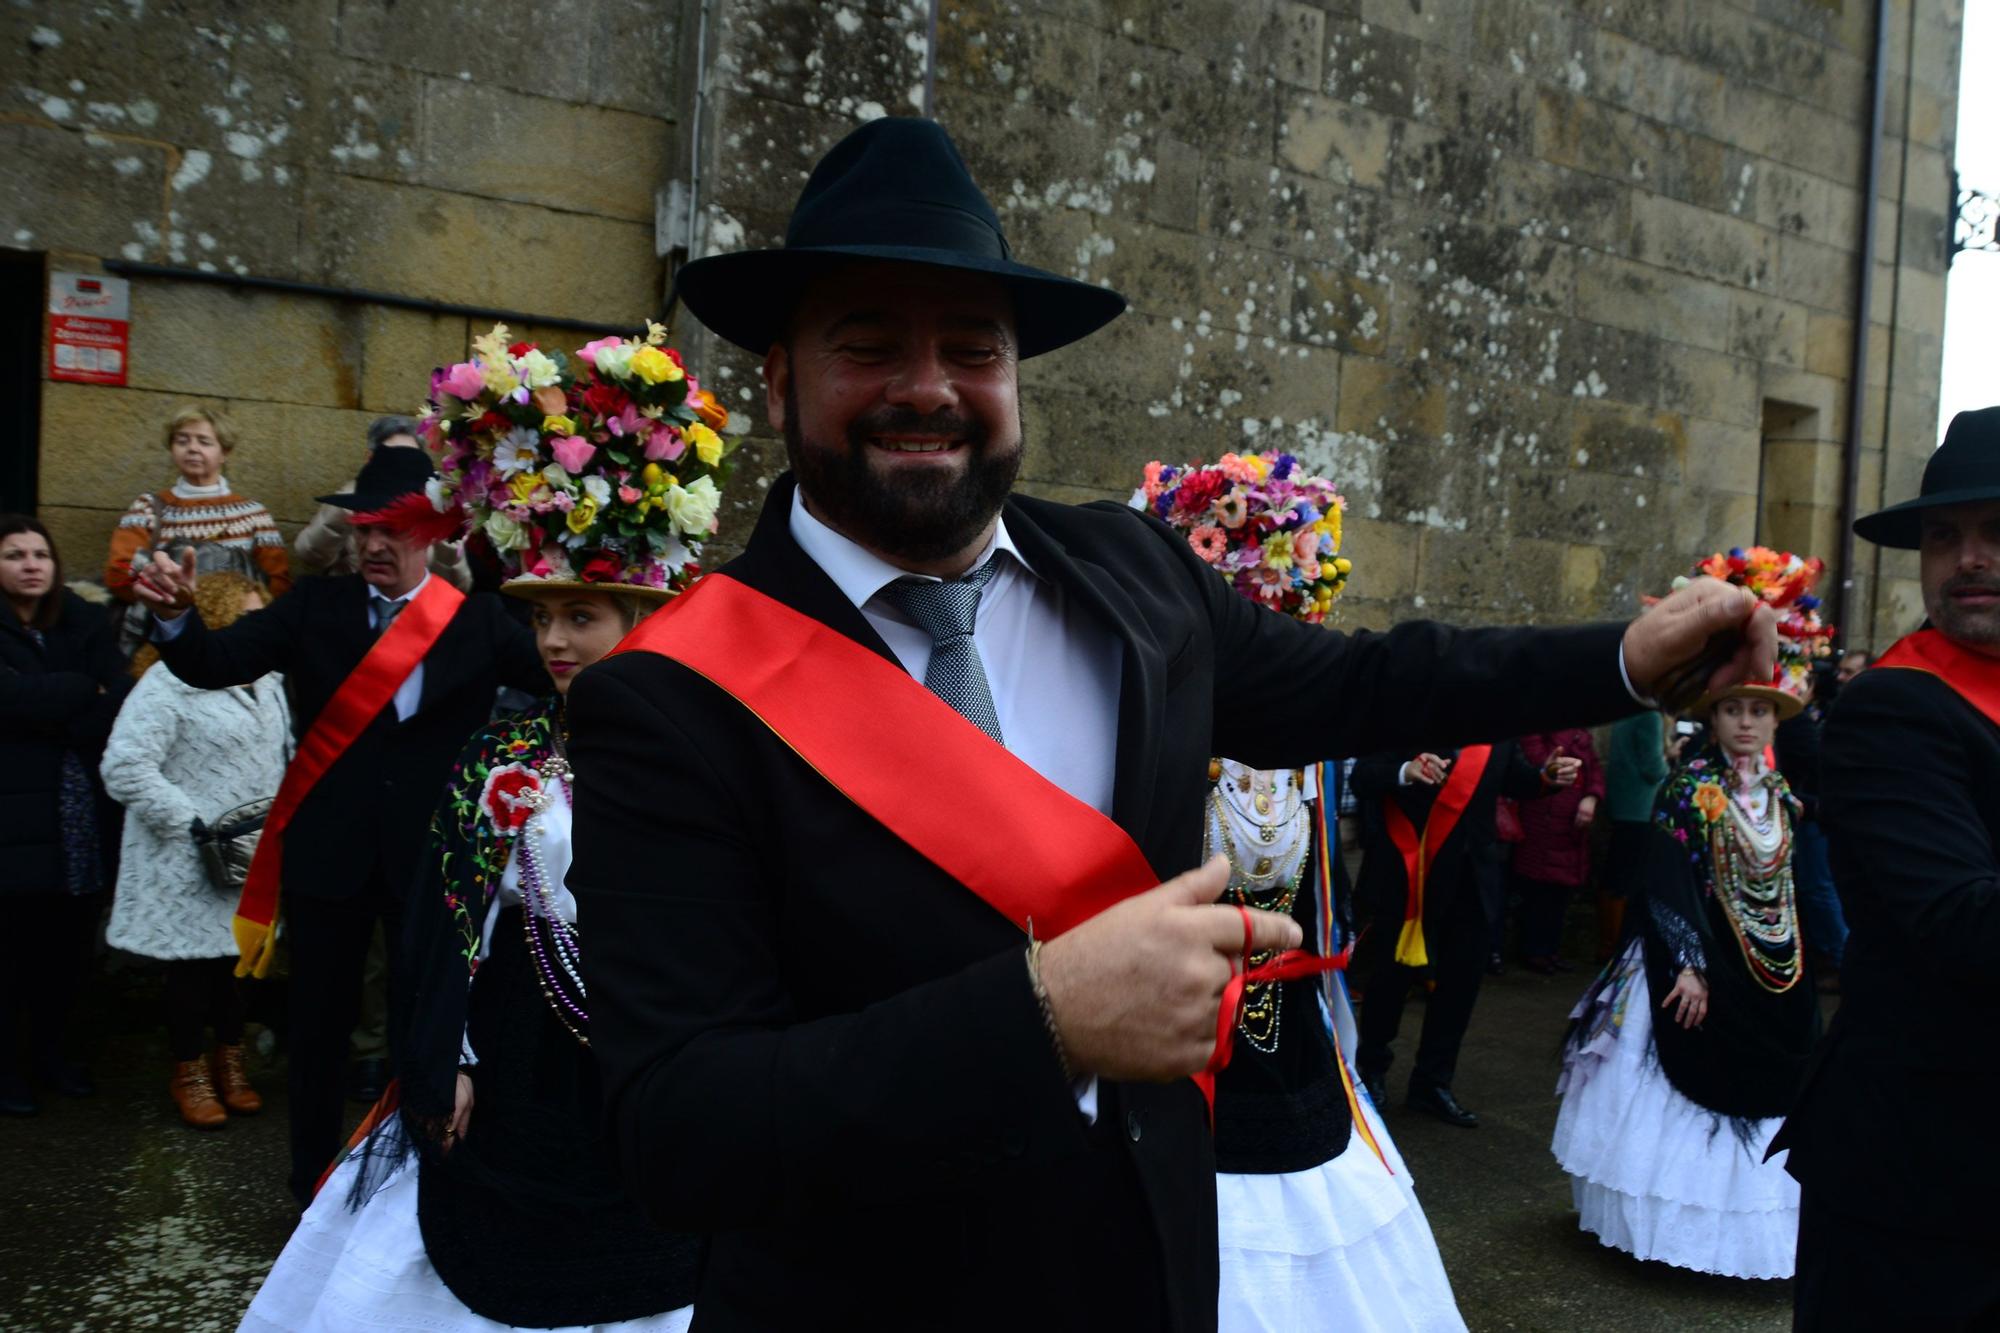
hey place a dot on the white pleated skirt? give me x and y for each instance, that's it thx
(346, 1270)
(1344, 1246)
(1652, 1173)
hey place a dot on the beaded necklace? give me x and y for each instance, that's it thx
(1280, 824)
(1752, 855)
(552, 941)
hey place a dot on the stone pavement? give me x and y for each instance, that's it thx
(115, 1217)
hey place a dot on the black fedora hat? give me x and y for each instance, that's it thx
(1965, 469)
(895, 189)
(387, 476)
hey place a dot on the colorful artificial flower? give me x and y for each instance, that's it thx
(1784, 582)
(509, 796)
(1710, 799)
(558, 460)
(1260, 522)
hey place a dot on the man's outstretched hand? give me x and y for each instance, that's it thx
(167, 585)
(1137, 988)
(1704, 637)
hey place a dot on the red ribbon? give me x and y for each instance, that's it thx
(1971, 676)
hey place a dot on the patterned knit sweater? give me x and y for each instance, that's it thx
(197, 516)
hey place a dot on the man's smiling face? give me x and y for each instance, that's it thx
(897, 392)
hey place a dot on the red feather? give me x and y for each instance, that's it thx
(413, 516)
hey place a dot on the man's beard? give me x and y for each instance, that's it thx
(1981, 627)
(916, 517)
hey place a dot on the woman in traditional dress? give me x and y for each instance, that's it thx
(1319, 1224)
(1685, 1053)
(485, 1195)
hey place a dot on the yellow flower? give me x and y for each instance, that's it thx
(707, 444)
(556, 425)
(656, 476)
(655, 367)
(524, 485)
(581, 517)
(1344, 565)
(1708, 799)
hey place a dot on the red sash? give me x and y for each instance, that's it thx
(359, 700)
(1974, 677)
(1035, 854)
(1419, 846)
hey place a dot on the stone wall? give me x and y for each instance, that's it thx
(1562, 293)
(423, 148)
(1557, 291)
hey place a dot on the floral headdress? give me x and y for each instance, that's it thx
(601, 473)
(1261, 522)
(1783, 582)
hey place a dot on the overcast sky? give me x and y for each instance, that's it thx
(1972, 296)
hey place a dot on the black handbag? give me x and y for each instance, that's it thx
(228, 844)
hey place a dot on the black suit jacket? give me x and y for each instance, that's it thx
(826, 1053)
(1896, 1119)
(373, 807)
(1454, 867)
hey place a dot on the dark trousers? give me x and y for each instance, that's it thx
(329, 942)
(1855, 1273)
(1542, 905)
(44, 956)
(201, 993)
(1455, 937)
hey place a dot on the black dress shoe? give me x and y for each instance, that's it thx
(367, 1079)
(16, 1097)
(1440, 1103)
(66, 1078)
(1494, 967)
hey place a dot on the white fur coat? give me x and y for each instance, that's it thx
(178, 754)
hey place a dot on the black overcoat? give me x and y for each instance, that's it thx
(1895, 1123)
(62, 694)
(373, 807)
(1454, 868)
(826, 1053)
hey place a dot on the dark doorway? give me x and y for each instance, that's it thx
(22, 296)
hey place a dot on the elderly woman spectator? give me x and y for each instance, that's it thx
(227, 531)
(1553, 857)
(326, 545)
(61, 680)
(180, 758)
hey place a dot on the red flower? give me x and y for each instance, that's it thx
(520, 349)
(508, 796)
(602, 568)
(605, 400)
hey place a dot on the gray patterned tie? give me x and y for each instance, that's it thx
(386, 612)
(947, 612)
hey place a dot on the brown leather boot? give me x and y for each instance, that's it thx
(232, 1083)
(194, 1093)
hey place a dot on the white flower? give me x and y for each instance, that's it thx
(536, 370)
(555, 474)
(518, 451)
(434, 492)
(505, 533)
(598, 489)
(615, 362)
(692, 507)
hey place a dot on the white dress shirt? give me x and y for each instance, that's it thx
(411, 692)
(1052, 667)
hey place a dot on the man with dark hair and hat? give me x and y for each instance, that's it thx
(872, 824)
(1892, 1137)
(326, 544)
(390, 669)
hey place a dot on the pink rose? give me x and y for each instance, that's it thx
(664, 442)
(630, 495)
(463, 381)
(1305, 546)
(573, 453)
(588, 352)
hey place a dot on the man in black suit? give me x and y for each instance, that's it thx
(359, 836)
(886, 1107)
(1457, 926)
(1892, 1139)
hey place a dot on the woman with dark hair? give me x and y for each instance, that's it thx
(61, 681)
